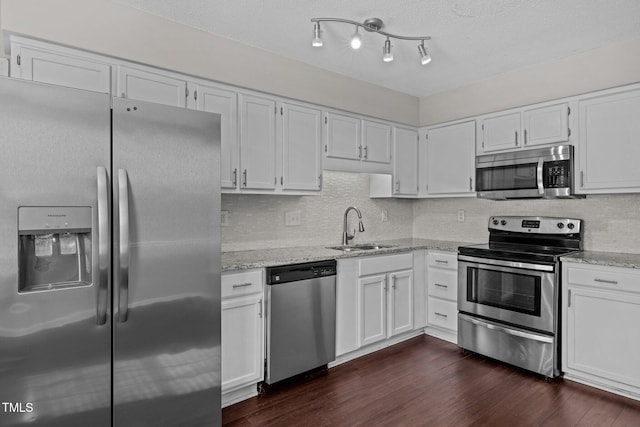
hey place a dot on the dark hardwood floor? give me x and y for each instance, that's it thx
(429, 382)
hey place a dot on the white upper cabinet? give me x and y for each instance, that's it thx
(524, 127)
(501, 132)
(609, 142)
(158, 87)
(35, 61)
(546, 125)
(224, 102)
(450, 160)
(355, 144)
(376, 142)
(342, 138)
(405, 162)
(301, 136)
(257, 142)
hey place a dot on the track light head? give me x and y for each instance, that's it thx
(356, 41)
(425, 58)
(387, 56)
(317, 40)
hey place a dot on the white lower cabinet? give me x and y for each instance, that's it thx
(375, 302)
(242, 338)
(601, 339)
(442, 295)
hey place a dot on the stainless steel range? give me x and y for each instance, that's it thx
(508, 290)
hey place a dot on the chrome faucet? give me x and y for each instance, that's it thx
(345, 234)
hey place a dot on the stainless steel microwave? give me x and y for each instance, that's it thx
(544, 173)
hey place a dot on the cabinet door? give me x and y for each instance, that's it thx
(405, 162)
(59, 69)
(376, 142)
(602, 336)
(546, 125)
(400, 314)
(257, 142)
(501, 132)
(342, 139)
(242, 344)
(373, 309)
(609, 148)
(223, 102)
(451, 159)
(301, 140)
(148, 86)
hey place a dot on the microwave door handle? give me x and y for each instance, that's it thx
(103, 247)
(540, 183)
(123, 250)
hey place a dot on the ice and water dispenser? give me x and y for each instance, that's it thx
(54, 247)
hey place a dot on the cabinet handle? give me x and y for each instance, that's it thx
(235, 177)
(241, 285)
(397, 186)
(260, 313)
(320, 181)
(611, 282)
(360, 151)
(393, 279)
(441, 315)
(441, 286)
(195, 95)
(442, 261)
(581, 179)
(244, 178)
(516, 138)
(525, 137)
(569, 298)
(470, 184)
(366, 152)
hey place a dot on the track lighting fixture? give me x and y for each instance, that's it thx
(372, 25)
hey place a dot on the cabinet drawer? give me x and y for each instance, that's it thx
(385, 263)
(443, 260)
(443, 283)
(241, 283)
(442, 313)
(601, 277)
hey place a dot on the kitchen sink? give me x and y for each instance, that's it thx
(362, 247)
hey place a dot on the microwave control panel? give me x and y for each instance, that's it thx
(556, 174)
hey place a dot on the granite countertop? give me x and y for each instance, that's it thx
(610, 259)
(240, 260)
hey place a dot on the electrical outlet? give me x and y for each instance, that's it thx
(384, 215)
(292, 218)
(224, 218)
(460, 216)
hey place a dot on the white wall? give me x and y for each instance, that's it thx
(113, 29)
(257, 221)
(609, 66)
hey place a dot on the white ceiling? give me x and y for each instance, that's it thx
(471, 39)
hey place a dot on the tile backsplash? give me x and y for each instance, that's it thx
(257, 221)
(611, 222)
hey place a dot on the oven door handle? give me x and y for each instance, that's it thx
(476, 262)
(514, 332)
(539, 175)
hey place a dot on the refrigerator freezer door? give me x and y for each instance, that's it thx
(55, 365)
(167, 265)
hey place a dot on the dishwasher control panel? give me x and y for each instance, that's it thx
(304, 271)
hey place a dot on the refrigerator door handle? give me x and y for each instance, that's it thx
(103, 247)
(123, 227)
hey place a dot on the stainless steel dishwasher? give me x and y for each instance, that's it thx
(301, 318)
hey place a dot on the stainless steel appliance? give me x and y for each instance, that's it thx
(109, 260)
(508, 290)
(536, 173)
(301, 318)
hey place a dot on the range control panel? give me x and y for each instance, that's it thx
(539, 225)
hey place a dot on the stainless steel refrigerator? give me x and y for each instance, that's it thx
(109, 261)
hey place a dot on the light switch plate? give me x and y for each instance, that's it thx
(460, 216)
(224, 218)
(292, 218)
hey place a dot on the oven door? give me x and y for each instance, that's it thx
(517, 293)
